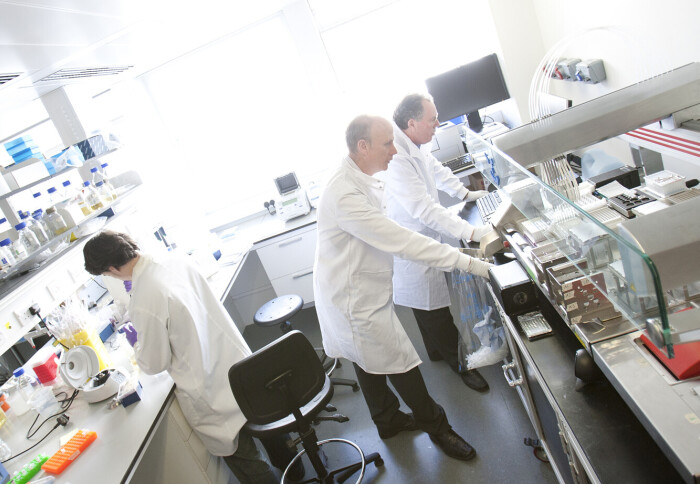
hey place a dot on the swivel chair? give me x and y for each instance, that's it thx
(280, 388)
(279, 311)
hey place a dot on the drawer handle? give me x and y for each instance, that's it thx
(511, 383)
(297, 276)
(290, 241)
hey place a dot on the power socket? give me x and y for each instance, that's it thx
(24, 317)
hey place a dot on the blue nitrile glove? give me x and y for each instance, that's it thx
(130, 333)
(127, 286)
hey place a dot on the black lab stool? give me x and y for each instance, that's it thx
(279, 311)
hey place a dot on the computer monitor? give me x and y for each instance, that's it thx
(467, 89)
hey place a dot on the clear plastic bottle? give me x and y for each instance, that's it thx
(27, 237)
(26, 383)
(93, 198)
(69, 191)
(96, 176)
(38, 201)
(82, 200)
(38, 230)
(7, 259)
(55, 222)
(19, 251)
(18, 405)
(105, 178)
(38, 217)
(54, 196)
(5, 452)
(104, 192)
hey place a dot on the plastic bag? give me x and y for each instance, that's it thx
(482, 341)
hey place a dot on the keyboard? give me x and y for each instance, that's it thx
(487, 205)
(461, 163)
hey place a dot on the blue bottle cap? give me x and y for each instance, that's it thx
(99, 184)
(93, 170)
(18, 372)
(104, 165)
(51, 190)
(5, 242)
(22, 214)
(37, 195)
(66, 183)
(86, 183)
(20, 225)
(3, 220)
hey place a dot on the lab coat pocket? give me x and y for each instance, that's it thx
(370, 292)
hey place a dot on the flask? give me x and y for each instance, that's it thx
(55, 222)
(7, 259)
(26, 383)
(93, 198)
(81, 199)
(27, 238)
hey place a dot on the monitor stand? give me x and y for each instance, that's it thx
(474, 121)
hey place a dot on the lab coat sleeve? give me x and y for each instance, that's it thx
(152, 349)
(445, 180)
(356, 216)
(409, 191)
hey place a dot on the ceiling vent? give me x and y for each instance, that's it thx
(77, 73)
(5, 78)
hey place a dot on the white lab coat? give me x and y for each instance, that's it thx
(353, 270)
(184, 329)
(412, 182)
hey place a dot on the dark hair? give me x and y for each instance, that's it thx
(108, 249)
(410, 107)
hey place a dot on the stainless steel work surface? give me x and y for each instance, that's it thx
(670, 410)
(615, 443)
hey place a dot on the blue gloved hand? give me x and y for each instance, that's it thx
(130, 333)
(127, 286)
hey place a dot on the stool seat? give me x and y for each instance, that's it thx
(278, 310)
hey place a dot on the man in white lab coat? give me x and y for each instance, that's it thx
(184, 329)
(412, 183)
(353, 293)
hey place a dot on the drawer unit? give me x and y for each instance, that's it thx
(300, 283)
(288, 253)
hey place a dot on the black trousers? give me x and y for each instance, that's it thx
(384, 406)
(440, 335)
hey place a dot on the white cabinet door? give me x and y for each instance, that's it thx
(300, 283)
(289, 253)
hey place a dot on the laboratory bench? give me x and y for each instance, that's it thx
(632, 424)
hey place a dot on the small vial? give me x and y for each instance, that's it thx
(7, 260)
(27, 237)
(55, 222)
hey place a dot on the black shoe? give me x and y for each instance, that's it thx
(474, 380)
(408, 425)
(454, 445)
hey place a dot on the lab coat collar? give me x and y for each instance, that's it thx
(404, 144)
(366, 179)
(141, 264)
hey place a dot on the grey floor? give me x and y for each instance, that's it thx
(495, 422)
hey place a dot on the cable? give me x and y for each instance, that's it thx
(65, 407)
(61, 421)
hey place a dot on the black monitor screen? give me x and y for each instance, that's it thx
(467, 89)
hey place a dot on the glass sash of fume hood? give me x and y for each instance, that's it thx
(624, 276)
